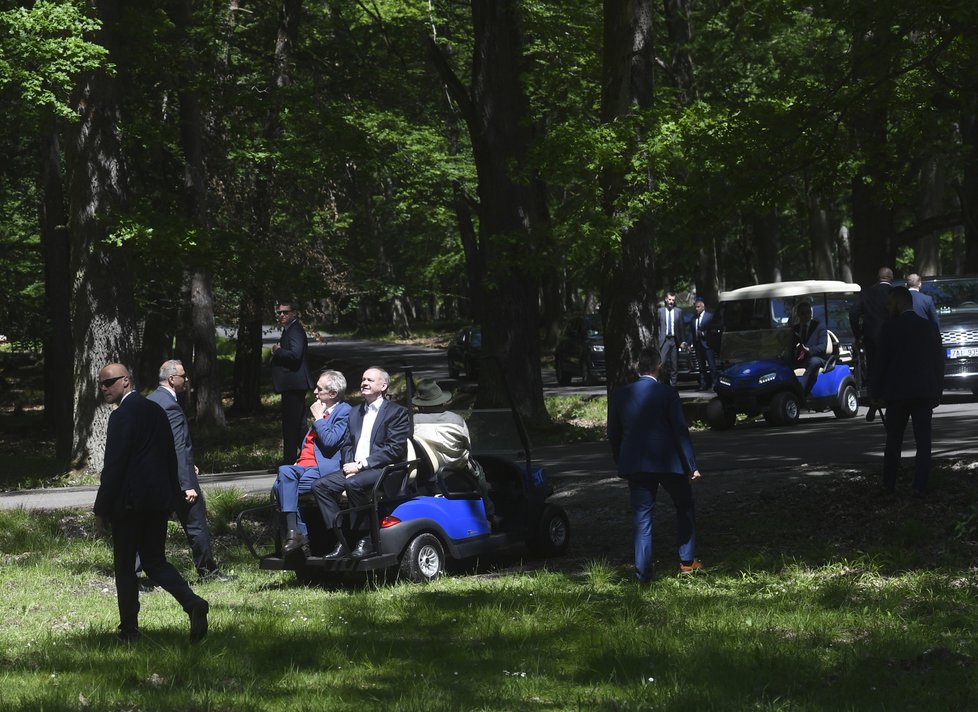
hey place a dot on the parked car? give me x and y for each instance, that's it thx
(956, 299)
(580, 350)
(464, 352)
(755, 334)
(420, 517)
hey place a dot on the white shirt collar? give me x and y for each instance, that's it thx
(171, 391)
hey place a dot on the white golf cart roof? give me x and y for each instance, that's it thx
(790, 289)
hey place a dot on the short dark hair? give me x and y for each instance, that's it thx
(649, 360)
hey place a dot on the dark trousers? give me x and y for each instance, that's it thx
(292, 481)
(708, 364)
(897, 415)
(144, 533)
(193, 519)
(328, 489)
(642, 489)
(811, 366)
(669, 350)
(293, 424)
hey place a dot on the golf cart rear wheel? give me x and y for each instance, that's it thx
(785, 409)
(718, 417)
(552, 534)
(848, 403)
(424, 559)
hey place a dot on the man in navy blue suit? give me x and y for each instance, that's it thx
(908, 378)
(377, 436)
(650, 443)
(318, 457)
(811, 338)
(923, 304)
(137, 492)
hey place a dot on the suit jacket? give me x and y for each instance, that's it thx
(815, 338)
(678, 325)
(330, 436)
(140, 470)
(910, 362)
(181, 437)
(866, 316)
(388, 441)
(923, 306)
(290, 367)
(647, 430)
(699, 335)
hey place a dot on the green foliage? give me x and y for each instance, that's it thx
(43, 49)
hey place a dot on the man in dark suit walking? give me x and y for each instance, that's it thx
(137, 493)
(908, 378)
(191, 510)
(867, 315)
(377, 436)
(650, 443)
(672, 334)
(290, 377)
(923, 304)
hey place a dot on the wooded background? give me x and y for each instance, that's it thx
(171, 164)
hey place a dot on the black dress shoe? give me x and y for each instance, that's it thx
(198, 621)
(364, 548)
(128, 635)
(294, 541)
(339, 552)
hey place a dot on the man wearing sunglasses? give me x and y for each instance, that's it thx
(290, 378)
(137, 493)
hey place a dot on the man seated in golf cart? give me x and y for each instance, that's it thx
(809, 350)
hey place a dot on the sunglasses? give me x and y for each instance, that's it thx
(109, 381)
(284, 311)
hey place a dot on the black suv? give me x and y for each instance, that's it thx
(580, 350)
(956, 299)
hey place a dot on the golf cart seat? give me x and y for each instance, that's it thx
(832, 354)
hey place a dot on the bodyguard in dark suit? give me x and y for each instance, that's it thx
(923, 304)
(137, 493)
(671, 331)
(704, 354)
(650, 443)
(377, 436)
(866, 316)
(190, 508)
(290, 377)
(908, 378)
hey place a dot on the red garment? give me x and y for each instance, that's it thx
(307, 456)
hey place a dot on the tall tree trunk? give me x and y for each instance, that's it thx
(513, 225)
(103, 325)
(767, 245)
(927, 248)
(206, 375)
(873, 225)
(820, 237)
(58, 348)
(969, 189)
(628, 294)
(470, 247)
(247, 358)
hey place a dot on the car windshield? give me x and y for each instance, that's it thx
(953, 296)
(592, 326)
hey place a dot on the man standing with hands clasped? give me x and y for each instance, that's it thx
(137, 493)
(191, 511)
(290, 377)
(650, 444)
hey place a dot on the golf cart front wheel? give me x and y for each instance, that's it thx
(718, 417)
(785, 408)
(848, 403)
(424, 559)
(553, 532)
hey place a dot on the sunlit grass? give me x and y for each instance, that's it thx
(839, 635)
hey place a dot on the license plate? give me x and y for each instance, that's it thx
(969, 352)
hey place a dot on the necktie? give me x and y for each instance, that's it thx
(669, 329)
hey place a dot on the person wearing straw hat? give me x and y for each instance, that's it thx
(446, 436)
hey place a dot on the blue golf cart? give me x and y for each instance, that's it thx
(754, 335)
